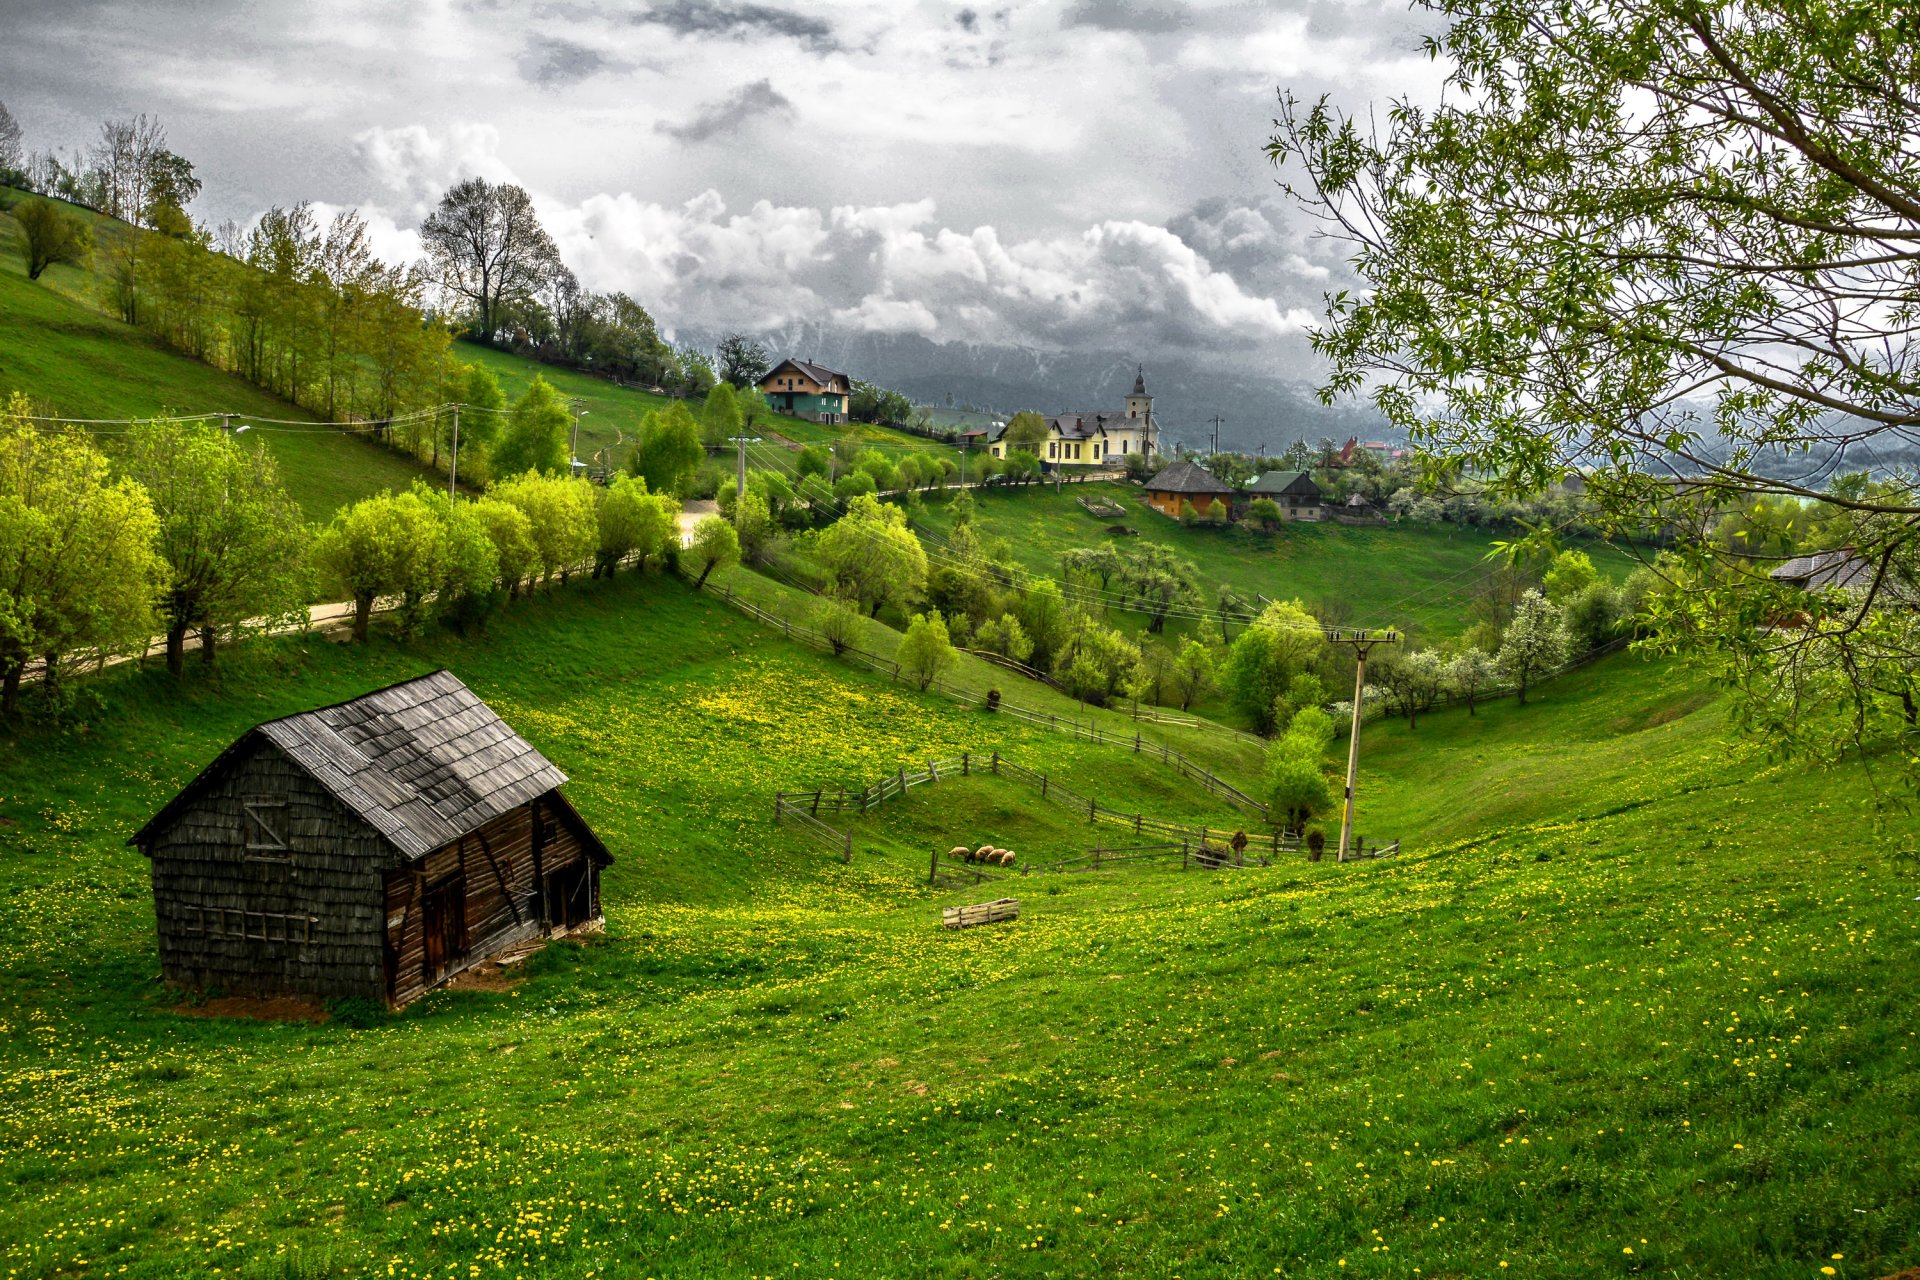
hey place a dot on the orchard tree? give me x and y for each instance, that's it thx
(1535, 643)
(77, 564)
(561, 518)
(486, 245)
(1470, 673)
(234, 543)
(715, 545)
(1411, 681)
(536, 434)
(668, 454)
(838, 624)
(1193, 672)
(872, 557)
(49, 234)
(925, 652)
(1026, 431)
(1655, 240)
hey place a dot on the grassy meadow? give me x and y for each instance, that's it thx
(1630, 1004)
(1416, 577)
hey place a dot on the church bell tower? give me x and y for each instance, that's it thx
(1140, 409)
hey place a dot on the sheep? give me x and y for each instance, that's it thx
(960, 853)
(1006, 857)
(982, 854)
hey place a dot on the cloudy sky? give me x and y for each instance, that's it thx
(1065, 174)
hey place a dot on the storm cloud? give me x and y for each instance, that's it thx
(744, 105)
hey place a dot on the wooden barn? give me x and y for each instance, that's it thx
(374, 848)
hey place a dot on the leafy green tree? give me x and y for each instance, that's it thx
(720, 415)
(632, 522)
(1265, 512)
(511, 534)
(715, 546)
(486, 245)
(853, 485)
(387, 545)
(1193, 672)
(1026, 431)
(1043, 612)
(874, 463)
(474, 387)
(1470, 672)
(1295, 779)
(1005, 636)
(668, 454)
(838, 623)
(1594, 616)
(1535, 644)
(536, 434)
(813, 461)
(234, 543)
(754, 524)
(561, 516)
(1284, 641)
(1305, 690)
(469, 589)
(1096, 663)
(49, 234)
(925, 652)
(1156, 581)
(872, 557)
(1570, 573)
(1411, 680)
(740, 360)
(77, 564)
(1622, 210)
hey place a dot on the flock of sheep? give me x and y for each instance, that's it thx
(986, 853)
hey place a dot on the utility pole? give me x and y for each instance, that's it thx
(1362, 642)
(573, 446)
(1216, 420)
(740, 485)
(453, 459)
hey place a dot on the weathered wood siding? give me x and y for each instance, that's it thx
(300, 920)
(503, 874)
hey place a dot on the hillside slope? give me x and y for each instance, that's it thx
(76, 362)
(1607, 1026)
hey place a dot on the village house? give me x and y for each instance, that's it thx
(1823, 569)
(1186, 486)
(374, 848)
(1097, 439)
(807, 390)
(1294, 492)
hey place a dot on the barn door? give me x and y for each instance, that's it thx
(568, 896)
(443, 918)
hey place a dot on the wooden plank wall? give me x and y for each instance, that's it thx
(302, 922)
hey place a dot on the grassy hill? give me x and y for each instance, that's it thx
(1418, 577)
(77, 362)
(1630, 1004)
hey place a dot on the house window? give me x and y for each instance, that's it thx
(265, 823)
(1051, 446)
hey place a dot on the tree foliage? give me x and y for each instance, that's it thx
(925, 652)
(487, 247)
(536, 434)
(633, 522)
(871, 556)
(49, 234)
(715, 545)
(1284, 641)
(1535, 644)
(741, 361)
(1654, 239)
(560, 515)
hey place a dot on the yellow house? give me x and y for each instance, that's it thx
(1096, 439)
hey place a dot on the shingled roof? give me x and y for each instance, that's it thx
(1281, 481)
(1187, 477)
(423, 762)
(819, 373)
(1841, 568)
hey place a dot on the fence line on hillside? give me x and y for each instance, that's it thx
(1167, 756)
(805, 807)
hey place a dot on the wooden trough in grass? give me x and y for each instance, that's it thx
(980, 913)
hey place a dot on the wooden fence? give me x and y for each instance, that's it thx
(1089, 729)
(794, 807)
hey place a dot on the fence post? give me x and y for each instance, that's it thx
(1090, 808)
(1183, 853)
(816, 802)
(933, 867)
(846, 847)
(966, 764)
(1136, 743)
(1043, 786)
(933, 774)
(1136, 824)
(996, 762)
(903, 783)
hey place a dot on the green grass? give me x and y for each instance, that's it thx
(1416, 577)
(614, 412)
(72, 360)
(1627, 991)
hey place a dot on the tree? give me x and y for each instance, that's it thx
(720, 415)
(1096, 663)
(123, 155)
(715, 545)
(388, 545)
(838, 624)
(1411, 680)
(1027, 431)
(1661, 239)
(668, 453)
(1535, 643)
(1571, 573)
(1468, 673)
(925, 653)
(1282, 642)
(1594, 616)
(741, 360)
(468, 589)
(13, 157)
(872, 557)
(632, 522)
(1156, 581)
(234, 543)
(49, 234)
(754, 524)
(486, 245)
(1266, 511)
(560, 513)
(1005, 636)
(536, 434)
(1043, 612)
(474, 388)
(1192, 672)
(77, 565)
(511, 533)
(1295, 781)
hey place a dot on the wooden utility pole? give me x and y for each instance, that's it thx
(453, 458)
(1362, 642)
(740, 485)
(1216, 420)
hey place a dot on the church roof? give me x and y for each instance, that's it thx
(1139, 380)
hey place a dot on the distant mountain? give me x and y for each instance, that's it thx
(1262, 411)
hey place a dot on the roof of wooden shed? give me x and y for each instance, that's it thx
(424, 762)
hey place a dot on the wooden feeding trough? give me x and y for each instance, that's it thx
(980, 913)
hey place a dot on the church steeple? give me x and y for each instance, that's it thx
(1140, 381)
(1140, 410)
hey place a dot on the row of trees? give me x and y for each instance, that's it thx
(182, 528)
